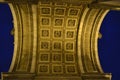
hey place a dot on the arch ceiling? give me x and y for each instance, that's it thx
(57, 39)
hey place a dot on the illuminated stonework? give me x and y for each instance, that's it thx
(58, 27)
(56, 40)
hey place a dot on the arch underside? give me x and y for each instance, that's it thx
(56, 41)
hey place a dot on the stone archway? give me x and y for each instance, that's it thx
(56, 40)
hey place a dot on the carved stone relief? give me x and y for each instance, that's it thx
(56, 40)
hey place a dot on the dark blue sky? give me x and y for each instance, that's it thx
(109, 45)
(6, 40)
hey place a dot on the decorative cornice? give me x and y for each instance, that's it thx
(61, 1)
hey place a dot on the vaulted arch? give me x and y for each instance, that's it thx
(56, 40)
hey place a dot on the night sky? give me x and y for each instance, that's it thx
(6, 39)
(109, 45)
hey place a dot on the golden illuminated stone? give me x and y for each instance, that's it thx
(57, 39)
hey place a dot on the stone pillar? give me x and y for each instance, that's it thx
(56, 41)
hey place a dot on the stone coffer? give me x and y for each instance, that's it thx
(56, 40)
